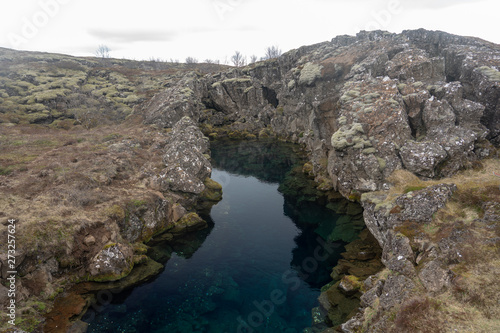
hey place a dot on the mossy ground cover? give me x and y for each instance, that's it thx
(43, 88)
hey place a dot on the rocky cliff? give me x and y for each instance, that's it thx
(370, 104)
(392, 121)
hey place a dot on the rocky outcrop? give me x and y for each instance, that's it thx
(171, 105)
(112, 263)
(382, 213)
(371, 104)
(186, 160)
(417, 263)
(180, 184)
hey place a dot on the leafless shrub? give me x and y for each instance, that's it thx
(238, 59)
(191, 60)
(419, 314)
(102, 51)
(272, 52)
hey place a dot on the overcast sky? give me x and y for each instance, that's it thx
(214, 29)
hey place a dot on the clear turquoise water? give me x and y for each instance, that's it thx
(258, 268)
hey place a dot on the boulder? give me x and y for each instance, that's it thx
(422, 158)
(396, 289)
(113, 262)
(349, 285)
(419, 206)
(189, 222)
(186, 166)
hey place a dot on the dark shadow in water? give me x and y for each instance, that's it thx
(185, 246)
(220, 281)
(277, 162)
(266, 160)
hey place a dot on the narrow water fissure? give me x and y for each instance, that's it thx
(259, 267)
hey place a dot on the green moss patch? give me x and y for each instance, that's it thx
(310, 73)
(350, 136)
(491, 73)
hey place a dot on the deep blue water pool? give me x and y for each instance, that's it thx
(258, 268)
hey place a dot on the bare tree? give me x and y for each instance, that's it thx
(253, 59)
(102, 51)
(210, 61)
(272, 52)
(191, 60)
(153, 59)
(238, 59)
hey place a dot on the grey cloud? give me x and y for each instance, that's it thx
(130, 36)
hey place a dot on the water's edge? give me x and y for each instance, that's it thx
(303, 204)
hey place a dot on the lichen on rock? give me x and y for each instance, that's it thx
(309, 73)
(186, 166)
(422, 158)
(352, 135)
(113, 262)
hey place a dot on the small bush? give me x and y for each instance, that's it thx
(419, 314)
(116, 212)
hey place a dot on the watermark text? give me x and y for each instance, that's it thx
(11, 270)
(31, 25)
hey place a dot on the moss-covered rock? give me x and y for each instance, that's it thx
(310, 73)
(113, 262)
(189, 222)
(350, 136)
(349, 285)
(210, 195)
(491, 73)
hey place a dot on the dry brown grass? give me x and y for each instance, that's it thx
(419, 314)
(59, 180)
(467, 179)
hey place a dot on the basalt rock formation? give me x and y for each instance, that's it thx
(423, 101)
(384, 117)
